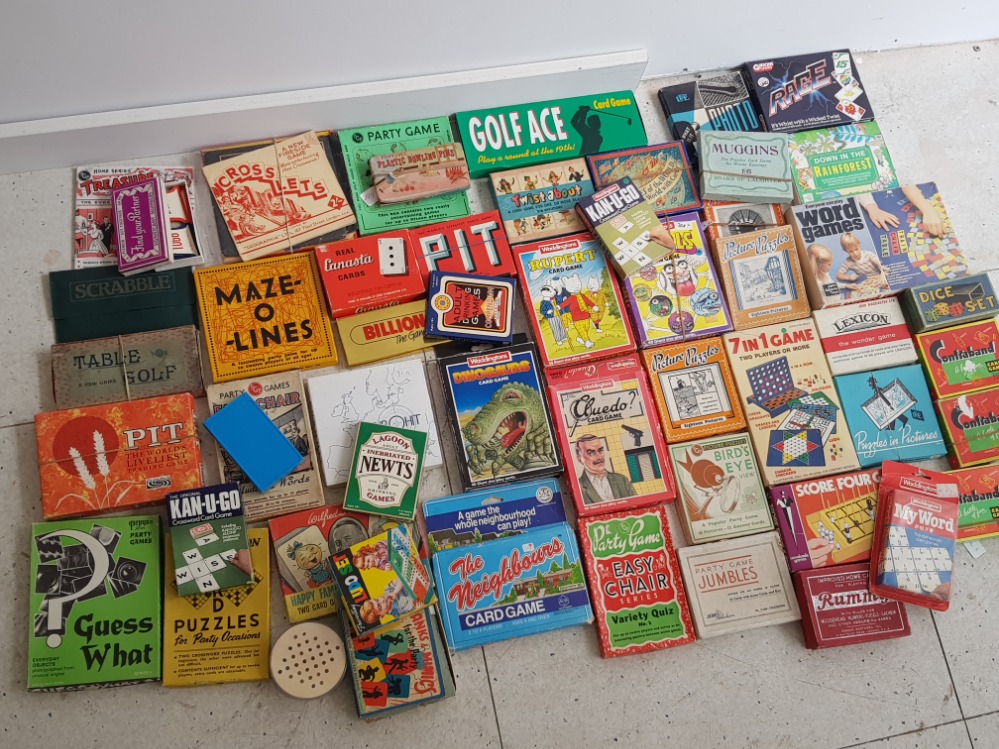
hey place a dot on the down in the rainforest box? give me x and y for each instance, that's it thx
(638, 599)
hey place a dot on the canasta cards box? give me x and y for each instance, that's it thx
(971, 422)
(751, 167)
(477, 245)
(117, 456)
(463, 307)
(662, 174)
(978, 491)
(856, 335)
(539, 202)
(961, 359)
(385, 333)
(951, 302)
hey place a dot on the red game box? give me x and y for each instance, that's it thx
(971, 422)
(962, 359)
(475, 244)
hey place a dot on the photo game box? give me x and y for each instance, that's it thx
(539, 202)
(855, 335)
(662, 174)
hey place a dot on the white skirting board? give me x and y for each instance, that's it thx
(178, 128)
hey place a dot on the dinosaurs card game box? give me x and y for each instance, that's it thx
(626, 224)
(607, 426)
(94, 603)
(751, 167)
(461, 307)
(476, 245)
(499, 416)
(638, 599)
(961, 359)
(785, 388)
(855, 335)
(951, 302)
(727, 218)
(978, 491)
(662, 174)
(971, 423)
(385, 471)
(539, 202)
(385, 333)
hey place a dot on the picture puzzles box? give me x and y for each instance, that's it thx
(662, 174)
(539, 202)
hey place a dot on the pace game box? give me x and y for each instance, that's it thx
(978, 491)
(971, 422)
(662, 174)
(951, 302)
(856, 335)
(477, 245)
(539, 202)
(961, 359)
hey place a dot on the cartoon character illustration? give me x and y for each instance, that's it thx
(596, 301)
(309, 559)
(395, 602)
(529, 183)
(504, 186)
(510, 429)
(550, 311)
(574, 308)
(373, 557)
(717, 493)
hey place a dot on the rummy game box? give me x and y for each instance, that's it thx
(510, 587)
(478, 309)
(477, 245)
(727, 218)
(761, 277)
(951, 302)
(837, 608)
(411, 175)
(750, 167)
(739, 584)
(971, 423)
(805, 92)
(499, 416)
(385, 471)
(827, 521)
(573, 301)
(855, 335)
(626, 224)
(94, 603)
(719, 483)
(117, 456)
(890, 415)
(220, 636)
(978, 492)
(961, 359)
(638, 600)
(282, 398)
(694, 389)
(537, 133)
(846, 257)
(607, 426)
(795, 418)
(539, 202)
(385, 333)
(662, 174)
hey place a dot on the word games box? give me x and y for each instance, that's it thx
(661, 173)
(477, 245)
(761, 277)
(385, 333)
(94, 603)
(208, 535)
(839, 161)
(727, 218)
(573, 301)
(805, 92)
(720, 487)
(855, 335)
(409, 176)
(282, 398)
(499, 416)
(971, 422)
(694, 389)
(221, 636)
(749, 167)
(470, 308)
(638, 599)
(978, 490)
(795, 418)
(539, 202)
(890, 415)
(827, 521)
(961, 359)
(605, 420)
(116, 456)
(951, 302)
(626, 225)
(386, 470)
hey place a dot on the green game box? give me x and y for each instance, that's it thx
(385, 472)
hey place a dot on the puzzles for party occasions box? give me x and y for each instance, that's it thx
(951, 302)
(662, 173)
(961, 359)
(854, 336)
(978, 491)
(538, 202)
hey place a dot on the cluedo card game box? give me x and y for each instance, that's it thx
(662, 174)
(607, 427)
(971, 422)
(854, 336)
(477, 309)
(539, 202)
(385, 471)
(961, 359)
(978, 490)
(638, 599)
(951, 302)
(476, 245)
(94, 603)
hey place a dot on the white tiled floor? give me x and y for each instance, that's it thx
(939, 108)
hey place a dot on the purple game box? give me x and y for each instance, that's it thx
(141, 226)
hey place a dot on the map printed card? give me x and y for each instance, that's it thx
(961, 359)
(978, 490)
(539, 202)
(749, 167)
(854, 334)
(386, 470)
(662, 174)
(477, 309)
(477, 245)
(726, 218)
(626, 224)
(971, 422)
(951, 302)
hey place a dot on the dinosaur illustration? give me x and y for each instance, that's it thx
(510, 429)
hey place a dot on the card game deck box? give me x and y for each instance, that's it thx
(786, 390)
(539, 202)
(727, 218)
(607, 426)
(117, 456)
(411, 175)
(94, 604)
(961, 359)
(626, 224)
(971, 423)
(386, 470)
(141, 226)
(750, 167)
(662, 174)
(978, 492)
(477, 309)
(638, 599)
(477, 245)
(951, 302)
(385, 333)
(856, 336)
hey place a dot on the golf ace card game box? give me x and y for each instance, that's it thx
(386, 470)
(805, 92)
(221, 636)
(694, 389)
(470, 308)
(116, 456)
(856, 335)
(750, 167)
(409, 176)
(661, 173)
(739, 584)
(499, 416)
(95, 603)
(572, 301)
(951, 302)
(626, 224)
(786, 390)
(827, 521)
(385, 333)
(961, 359)
(719, 484)
(539, 202)
(978, 492)
(477, 245)
(638, 599)
(971, 422)
(727, 218)
(606, 425)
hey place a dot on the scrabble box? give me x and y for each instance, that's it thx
(626, 224)
(539, 202)
(978, 492)
(855, 335)
(476, 245)
(962, 359)
(971, 423)
(951, 302)
(662, 174)
(477, 309)
(385, 333)
(727, 218)
(748, 167)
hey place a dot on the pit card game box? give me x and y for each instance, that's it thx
(961, 359)
(220, 636)
(117, 456)
(838, 608)
(749, 167)
(94, 603)
(478, 309)
(359, 145)
(727, 218)
(386, 470)
(573, 301)
(499, 416)
(761, 277)
(638, 600)
(662, 174)
(511, 587)
(971, 423)
(839, 161)
(952, 302)
(890, 415)
(282, 398)
(805, 92)
(739, 584)
(409, 176)
(626, 224)
(208, 533)
(477, 245)
(539, 202)
(385, 333)
(537, 133)
(855, 335)
(786, 391)
(827, 521)
(719, 483)
(978, 492)
(606, 424)
(694, 389)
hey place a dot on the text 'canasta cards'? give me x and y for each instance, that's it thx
(478, 309)
(386, 470)
(951, 302)
(856, 335)
(750, 167)
(539, 202)
(961, 359)
(626, 224)
(971, 421)
(662, 173)
(638, 599)
(978, 491)
(385, 333)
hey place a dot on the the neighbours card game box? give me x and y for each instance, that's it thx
(626, 224)
(386, 470)
(477, 245)
(971, 422)
(478, 309)
(638, 599)
(385, 333)
(856, 335)
(727, 218)
(539, 202)
(951, 302)
(961, 359)
(750, 167)
(662, 174)
(978, 491)
(94, 605)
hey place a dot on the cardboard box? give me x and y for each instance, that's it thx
(385, 333)
(978, 491)
(477, 245)
(962, 359)
(539, 202)
(951, 302)
(748, 167)
(477, 309)
(662, 174)
(413, 175)
(386, 470)
(854, 336)
(728, 218)
(971, 423)
(625, 223)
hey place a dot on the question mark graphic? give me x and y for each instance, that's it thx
(102, 564)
